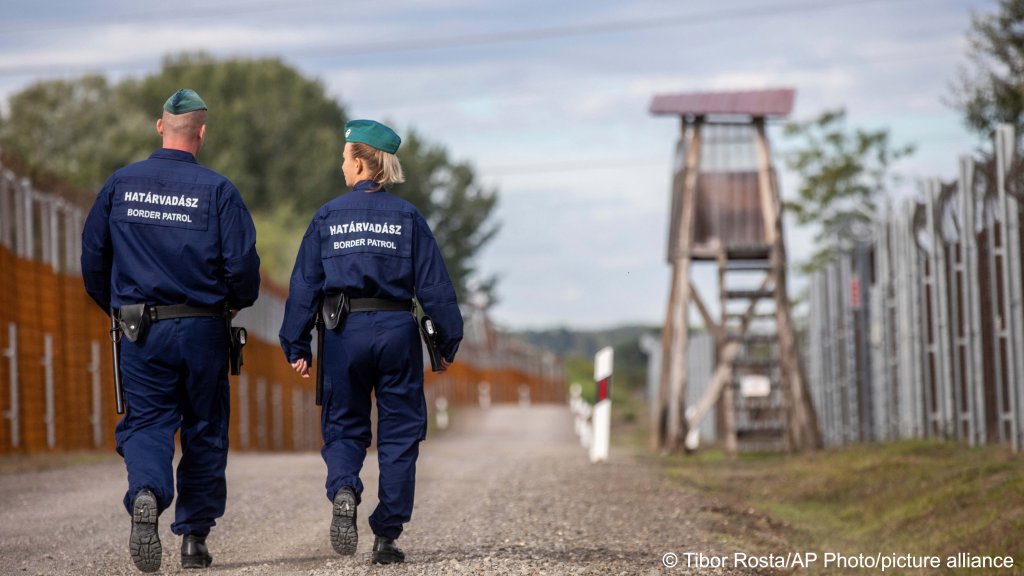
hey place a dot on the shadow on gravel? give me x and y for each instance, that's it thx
(294, 561)
(561, 554)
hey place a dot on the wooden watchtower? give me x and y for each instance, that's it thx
(726, 212)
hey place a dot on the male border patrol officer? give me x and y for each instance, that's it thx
(176, 237)
(377, 250)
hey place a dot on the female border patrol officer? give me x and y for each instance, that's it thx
(377, 250)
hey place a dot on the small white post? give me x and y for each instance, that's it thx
(483, 390)
(692, 441)
(441, 416)
(586, 429)
(524, 396)
(603, 406)
(575, 406)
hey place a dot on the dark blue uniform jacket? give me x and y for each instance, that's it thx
(369, 245)
(169, 231)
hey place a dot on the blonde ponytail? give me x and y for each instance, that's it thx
(385, 167)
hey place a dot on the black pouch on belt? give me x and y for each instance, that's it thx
(134, 320)
(430, 339)
(334, 310)
(239, 336)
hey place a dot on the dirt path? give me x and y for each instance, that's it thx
(505, 491)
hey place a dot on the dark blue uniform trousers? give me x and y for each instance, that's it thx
(177, 378)
(381, 353)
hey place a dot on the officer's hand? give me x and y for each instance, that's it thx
(301, 367)
(445, 364)
(233, 313)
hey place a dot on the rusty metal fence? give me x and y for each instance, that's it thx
(916, 326)
(55, 367)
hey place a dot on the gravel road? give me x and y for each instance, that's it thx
(504, 491)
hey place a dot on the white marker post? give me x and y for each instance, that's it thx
(441, 415)
(603, 406)
(586, 430)
(524, 396)
(483, 391)
(575, 407)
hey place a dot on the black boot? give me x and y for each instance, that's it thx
(194, 553)
(344, 535)
(385, 551)
(144, 542)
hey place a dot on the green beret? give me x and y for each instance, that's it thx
(184, 100)
(373, 134)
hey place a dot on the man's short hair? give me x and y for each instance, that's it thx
(185, 125)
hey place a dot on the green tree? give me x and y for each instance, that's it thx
(73, 129)
(274, 132)
(842, 174)
(990, 90)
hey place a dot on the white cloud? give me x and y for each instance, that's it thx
(119, 45)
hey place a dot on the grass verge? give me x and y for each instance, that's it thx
(915, 497)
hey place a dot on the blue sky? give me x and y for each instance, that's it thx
(548, 100)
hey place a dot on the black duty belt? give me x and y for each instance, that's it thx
(170, 311)
(379, 305)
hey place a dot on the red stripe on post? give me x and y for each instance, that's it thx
(602, 389)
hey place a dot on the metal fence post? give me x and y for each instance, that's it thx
(837, 379)
(50, 418)
(312, 429)
(973, 369)
(878, 339)
(261, 413)
(53, 228)
(243, 410)
(72, 235)
(919, 371)
(96, 418)
(849, 408)
(298, 422)
(30, 220)
(6, 208)
(277, 415)
(814, 346)
(11, 352)
(1010, 242)
(862, 319)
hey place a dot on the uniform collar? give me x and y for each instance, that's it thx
(172, 154)
(367, 186)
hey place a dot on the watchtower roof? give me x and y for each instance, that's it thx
(756, 103)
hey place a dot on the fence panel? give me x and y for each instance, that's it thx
(945, 331)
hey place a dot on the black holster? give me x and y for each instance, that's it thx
(334, 309)
(430, 339)
(134, 319)
(237, 337)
